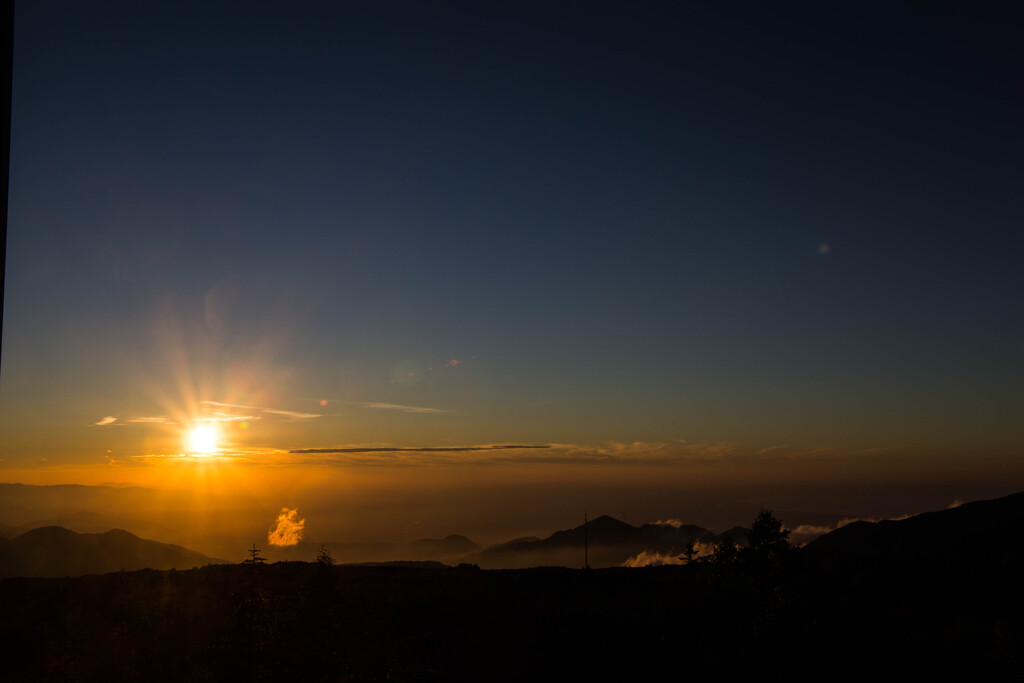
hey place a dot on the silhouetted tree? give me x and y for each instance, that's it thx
(255, 559)
(767, 535)
(725, 552)
(690, 552)
(324, 559)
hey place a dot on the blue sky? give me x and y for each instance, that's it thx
(792, 227)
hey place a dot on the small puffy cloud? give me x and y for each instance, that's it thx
(287, 530)
(108, 420)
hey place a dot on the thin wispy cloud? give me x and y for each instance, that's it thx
(291, 413)
(404, 409)
(227, 417)
(251, 456)
(151, 420)
(417, 449)
(270, 411)
(662, 453)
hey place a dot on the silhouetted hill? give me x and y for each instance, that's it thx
(610, 543)
(54, 551)
(453, 544)
(982, 527)
(933, 590)
(153, 513)
(86, 522)
(604, 529)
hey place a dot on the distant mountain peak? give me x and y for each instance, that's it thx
(119, 533)
(51, 531)
(608, 520)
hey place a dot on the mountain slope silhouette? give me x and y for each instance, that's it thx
(982, 527)
(54, 551)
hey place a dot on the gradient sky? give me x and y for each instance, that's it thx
(645, 234)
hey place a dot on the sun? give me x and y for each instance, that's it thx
(203, 440)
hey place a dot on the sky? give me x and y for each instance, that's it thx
(666, 245)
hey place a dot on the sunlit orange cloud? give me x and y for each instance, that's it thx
(287, 529)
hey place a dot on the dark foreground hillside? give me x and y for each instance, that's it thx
(803, 618)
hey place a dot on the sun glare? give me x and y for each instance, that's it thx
(203, 440)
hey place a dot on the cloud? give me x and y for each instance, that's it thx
(404, 409)
(251, 456)
(661, 453)
(646, 559)
(151, 420)
(805, 533)
(536, 404)
(227, 417)
(290, 413)
(295, 415)
(287, 530)
(416, 449)
(109, 419)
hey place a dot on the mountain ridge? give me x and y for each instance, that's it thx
(53, 551)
